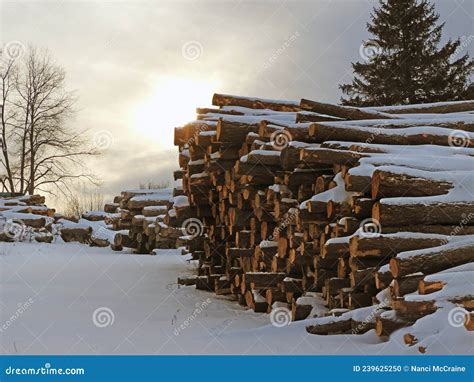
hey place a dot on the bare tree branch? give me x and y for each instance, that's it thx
(37, 109)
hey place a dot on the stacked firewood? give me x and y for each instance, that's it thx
(139, 217)
(25, 218)
(323, 209)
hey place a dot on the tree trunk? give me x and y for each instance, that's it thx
(386, 184)
(228, 131)
(349, 113)
(407, 136)
(438, 213)
(331, 157)
(254, 103)
(388, 246)
(432, 261)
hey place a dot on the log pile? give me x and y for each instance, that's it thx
(25, 218)
(328, 210)
(138, 217)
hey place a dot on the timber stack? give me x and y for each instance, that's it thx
(25, 218)
(138, 217)
(136, 220)
(332, 212)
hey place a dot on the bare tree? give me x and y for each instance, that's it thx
(7, 75)
(75, 205)
(49, 153)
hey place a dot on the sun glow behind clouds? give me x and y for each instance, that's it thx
(172, 104)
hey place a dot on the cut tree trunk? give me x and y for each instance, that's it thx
(432, 260)
(438, 108)
(228, 131)
(336, 326)
(254, 103)
(349, 113)
(322, 132)
(387, 246)
(387, 184)
(397, 215)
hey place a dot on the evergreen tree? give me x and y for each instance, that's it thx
(403, 63)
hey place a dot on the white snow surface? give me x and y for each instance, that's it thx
(162, 195)
(60, 286)
(251, 154)
(25, 216)
(417, 105)
(181, 201)
(411, 131)
(408, 120)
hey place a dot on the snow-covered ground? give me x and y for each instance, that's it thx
(73, 299)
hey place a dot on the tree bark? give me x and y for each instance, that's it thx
(254, 103)
(439, 213)
(432, 261)
(386, 184)
(344, 112)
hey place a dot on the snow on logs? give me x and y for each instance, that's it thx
(26, 218)
(320, 209)
(145, 220)
(347, 113)
(416, 135)
(254, 103)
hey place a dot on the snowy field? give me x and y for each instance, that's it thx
(74, 299)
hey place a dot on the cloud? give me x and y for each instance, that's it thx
(113, 52)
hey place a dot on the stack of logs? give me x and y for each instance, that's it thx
(324, 209)
(25, 218)
(139, 217)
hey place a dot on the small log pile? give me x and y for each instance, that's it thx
(139, 217)
(326, 209)
(136, 219)
(25, 218)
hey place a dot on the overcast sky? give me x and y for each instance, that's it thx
(139, 67)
